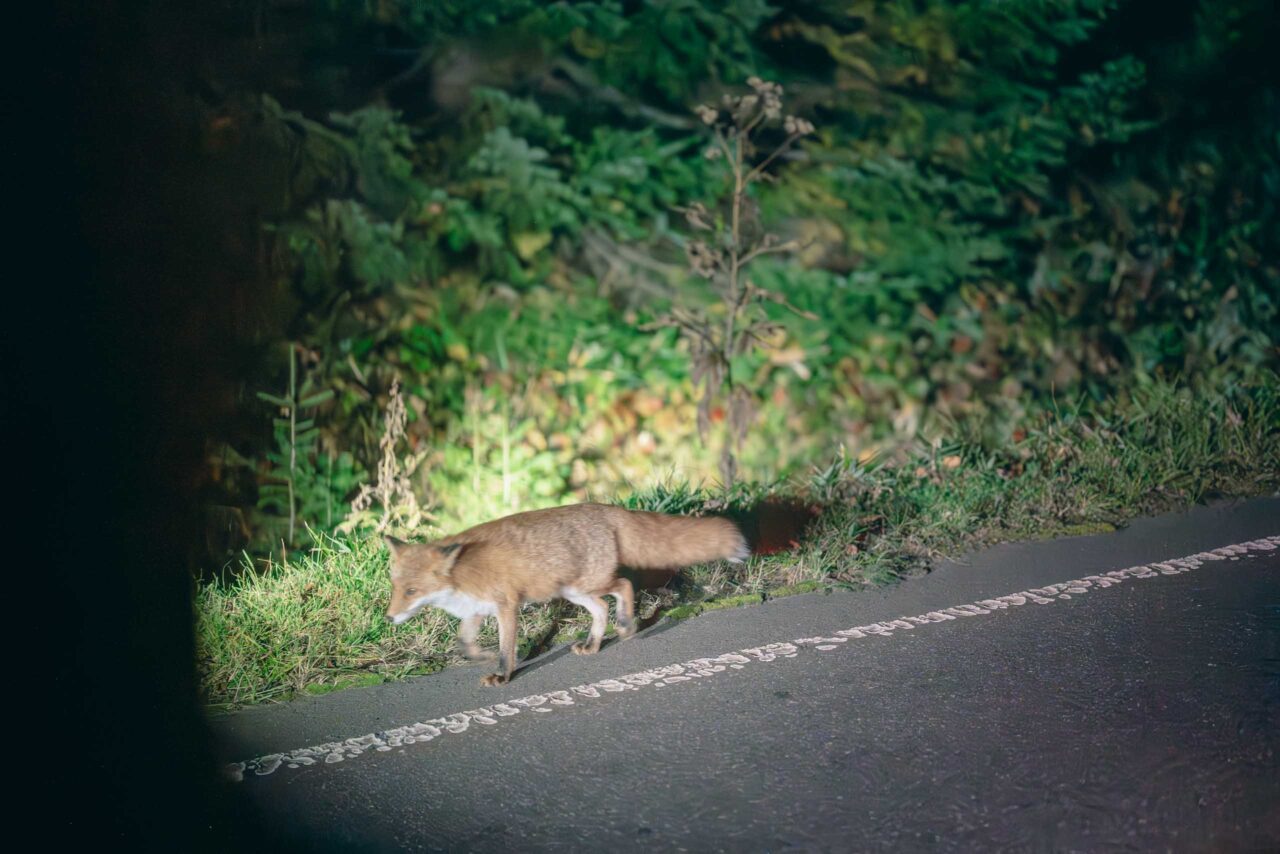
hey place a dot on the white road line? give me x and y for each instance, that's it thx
(702, 668)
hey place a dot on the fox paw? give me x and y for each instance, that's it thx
(626, 628)
(494, 679)
(479, 655)
(585, 647)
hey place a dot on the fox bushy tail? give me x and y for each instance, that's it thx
(661, 541)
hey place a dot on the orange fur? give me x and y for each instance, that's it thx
(570, 552)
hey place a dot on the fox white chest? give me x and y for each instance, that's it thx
(460, 604)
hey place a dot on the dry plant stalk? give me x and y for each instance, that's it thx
(735, 240)
(393, 489)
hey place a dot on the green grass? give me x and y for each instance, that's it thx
(316, 623)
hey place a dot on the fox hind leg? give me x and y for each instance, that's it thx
(624, 595)
(599, 617)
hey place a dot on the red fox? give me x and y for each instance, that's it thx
(569, 552)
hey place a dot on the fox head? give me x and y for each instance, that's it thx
(418, 571)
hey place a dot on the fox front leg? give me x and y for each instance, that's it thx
(467, 631)
(507, 626)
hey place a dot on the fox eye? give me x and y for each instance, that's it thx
(411, 591)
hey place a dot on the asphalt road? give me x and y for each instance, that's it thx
(1138, 710)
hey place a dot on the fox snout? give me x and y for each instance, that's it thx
(395, 618)
(403, 607)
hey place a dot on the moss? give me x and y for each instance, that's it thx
(802, 587)
(684, 612)
(1085, 528)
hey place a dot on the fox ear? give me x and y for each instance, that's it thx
(393, 544)
(448, 557)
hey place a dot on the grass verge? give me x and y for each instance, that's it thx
(315, 623)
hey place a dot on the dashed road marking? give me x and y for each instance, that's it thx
(703, 668)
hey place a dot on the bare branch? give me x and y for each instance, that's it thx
(777, 152)
(690, 324)
(724, 146)
(584, 79)
(778, 298)
(764, 249)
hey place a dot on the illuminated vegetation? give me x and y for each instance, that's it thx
(317, 620)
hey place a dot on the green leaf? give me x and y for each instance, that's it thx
(283, 403)
(316, 399)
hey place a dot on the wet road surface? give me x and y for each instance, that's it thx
(1138, 712)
